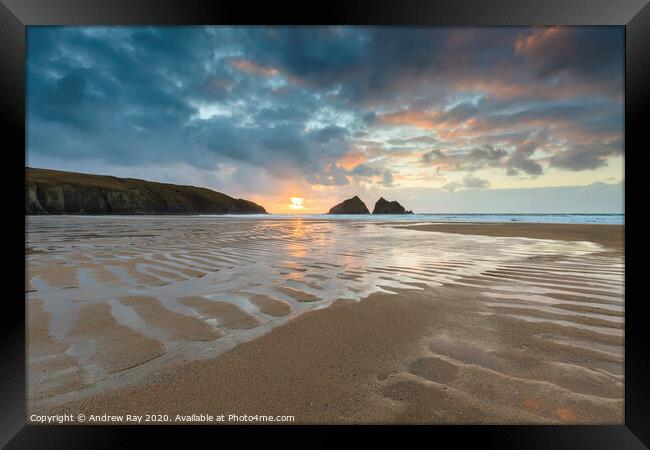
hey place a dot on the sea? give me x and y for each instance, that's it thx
(612, 219)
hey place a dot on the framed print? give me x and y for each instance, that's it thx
(415, 216)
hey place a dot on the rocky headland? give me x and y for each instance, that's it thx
(383, 206)
(355, 205)
(352, 205)
(57, 192)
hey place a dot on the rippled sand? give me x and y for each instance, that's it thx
(454, 328)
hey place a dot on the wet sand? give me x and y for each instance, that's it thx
(608, 235)
(491, 330)
(406, 358)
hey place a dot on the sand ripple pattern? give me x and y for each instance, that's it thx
(117, 297)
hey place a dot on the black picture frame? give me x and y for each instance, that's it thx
(15, 15)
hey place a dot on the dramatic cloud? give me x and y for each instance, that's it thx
(469, 181)
(521, 158)
(471, 160)
(578, 52)
(329, 109)
(584, 157)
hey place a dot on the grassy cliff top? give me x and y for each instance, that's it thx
(82, 189)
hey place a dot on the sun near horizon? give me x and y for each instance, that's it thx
(297, 203)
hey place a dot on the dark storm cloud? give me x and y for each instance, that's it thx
(373, 173)
(280, 147)
(362, 62)
(521, 158)
(471, 160)
(594, 116)
(133, 95)
(583, 52)
(583, 157)
(329, 176)
(62, 99)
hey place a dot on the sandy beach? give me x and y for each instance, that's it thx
(326, 321)
(611, 236)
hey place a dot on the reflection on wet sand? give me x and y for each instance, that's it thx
(113, 299)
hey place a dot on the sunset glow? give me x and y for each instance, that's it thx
(297, 203)
(516, 119)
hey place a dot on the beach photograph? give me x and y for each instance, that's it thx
(292, 225)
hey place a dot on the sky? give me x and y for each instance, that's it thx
(297, 119)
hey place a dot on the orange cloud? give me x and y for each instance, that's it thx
(528, 44)
(494, 87)
(418, 119)
(251, 67)
(351, 160)
(283, 200)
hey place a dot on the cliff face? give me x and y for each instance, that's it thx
(56, 192)
(352, 205)
(383, 206)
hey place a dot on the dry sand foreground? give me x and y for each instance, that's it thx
(537, 340)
